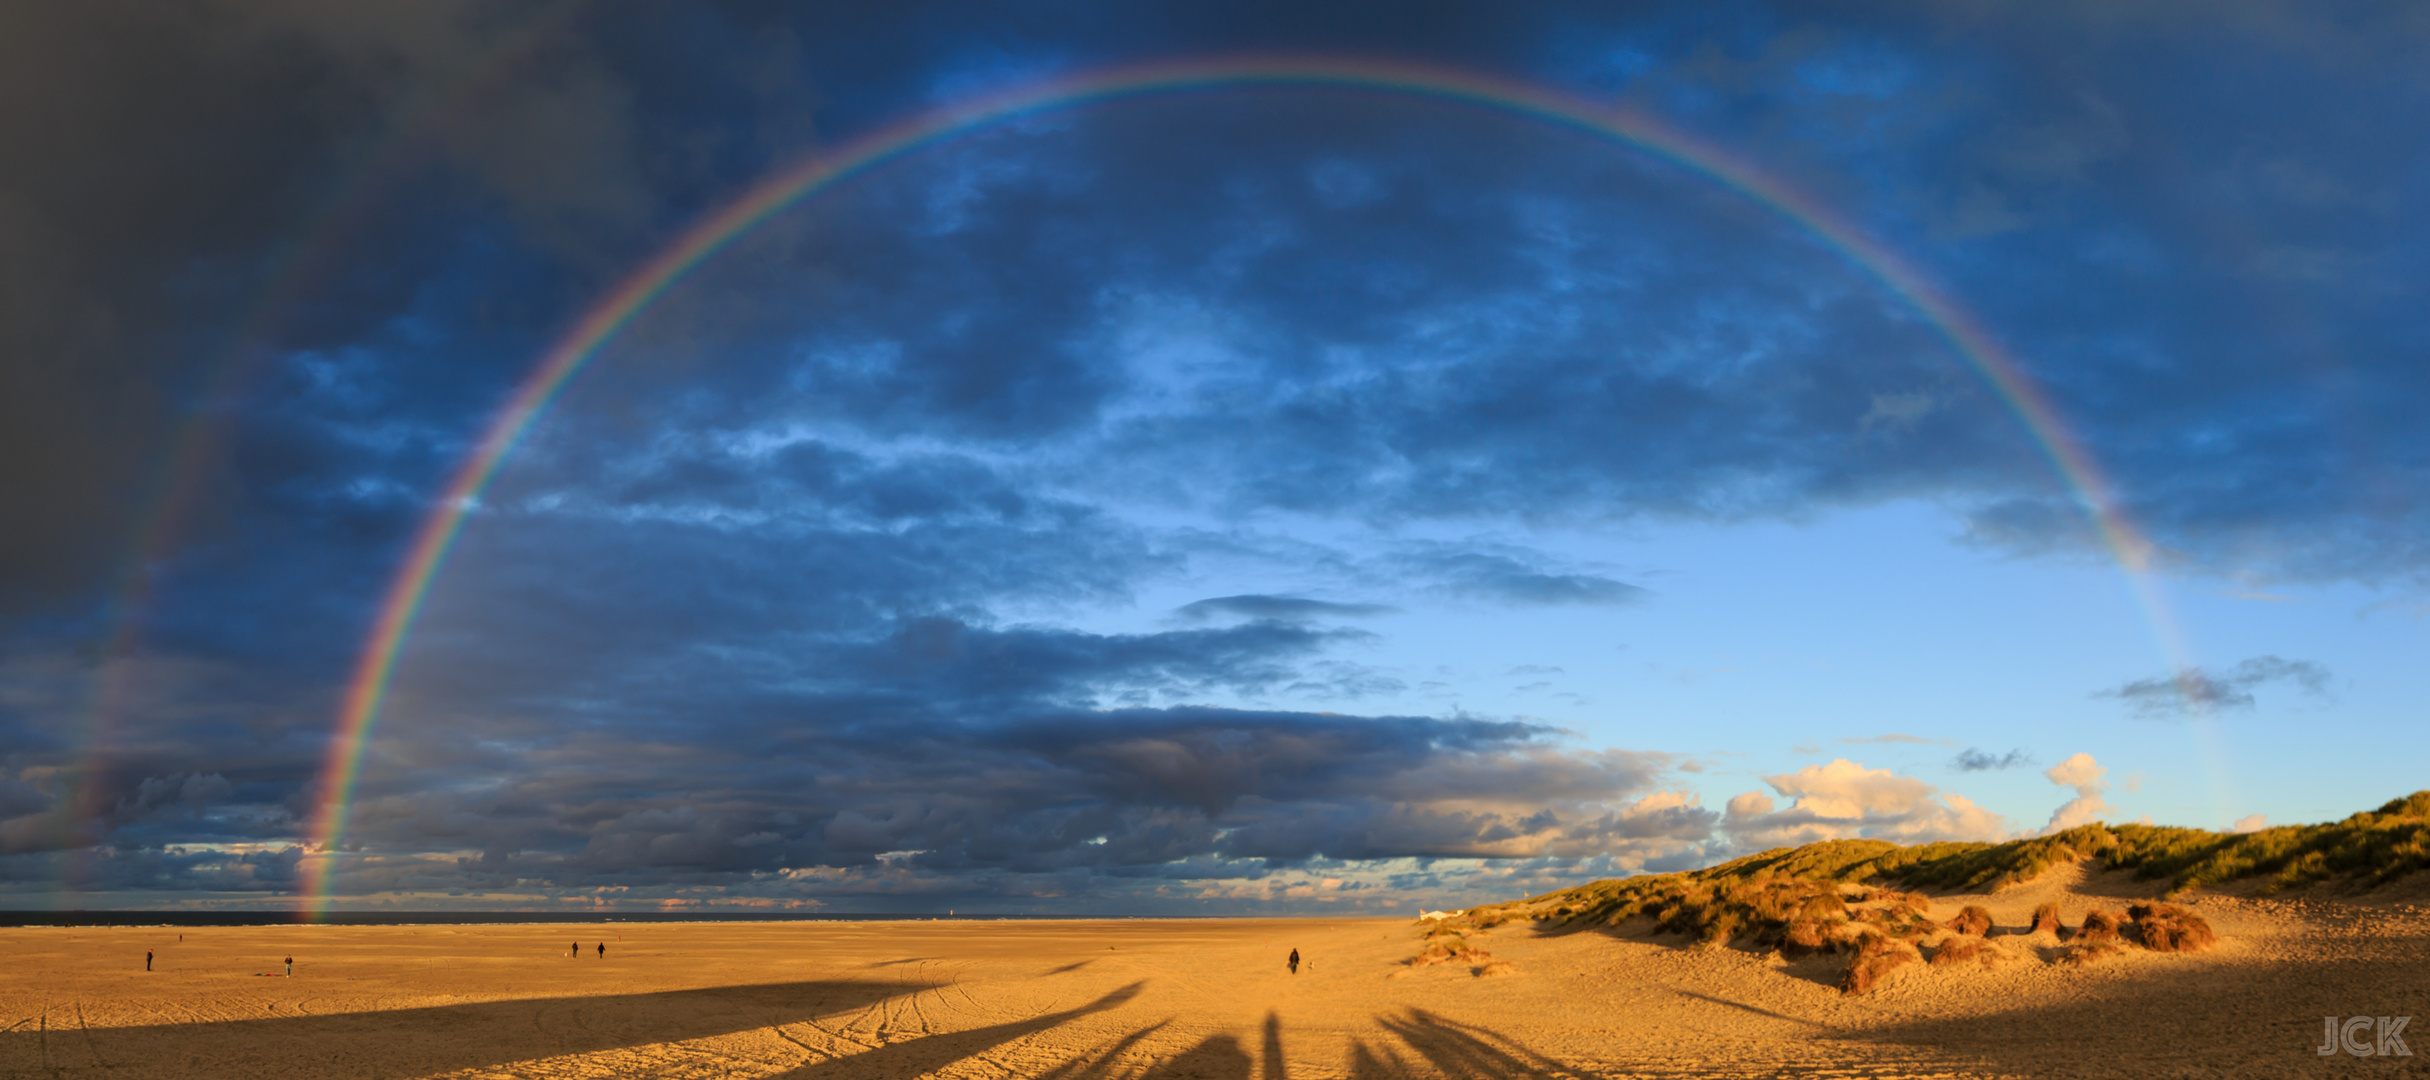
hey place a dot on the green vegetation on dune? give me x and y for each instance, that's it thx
(2368, 849)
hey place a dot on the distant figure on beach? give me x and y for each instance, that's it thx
(147, 959)
(603, 950)
(577, 953)
(1295, 961)
(290, 967)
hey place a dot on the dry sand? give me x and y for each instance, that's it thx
(1197, 998)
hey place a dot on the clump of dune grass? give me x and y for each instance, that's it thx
(1805, 937)
(1849, 935)
(1897, 920)
(1962, 949)
(2100, 927)
(2046, 920)
(1973, 920)
(2171, 928)
(1450, 950)
(1876, 959)
(2091, 952)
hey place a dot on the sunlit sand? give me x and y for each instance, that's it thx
(1208, 998)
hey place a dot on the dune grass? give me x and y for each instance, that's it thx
(1791, 895)
(2369, 849)
(1844, 895)
(2046, 920)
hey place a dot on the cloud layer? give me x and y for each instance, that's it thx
(1023, 519)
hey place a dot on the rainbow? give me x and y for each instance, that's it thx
(820, 172)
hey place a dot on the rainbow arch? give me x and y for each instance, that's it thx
(1979, 351)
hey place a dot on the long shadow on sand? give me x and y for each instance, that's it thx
(2248, 1019)
(1440, 1047)
(922, 1056)
(1105, 1063)
(1423, 1045)
(419, 1042)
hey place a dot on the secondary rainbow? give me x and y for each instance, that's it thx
(169, 499)
(1976, 347)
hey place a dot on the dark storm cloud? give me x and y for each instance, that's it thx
(1125, 791)
(1285, 608)
(112, 274)
(2194, 691)
(163, 164)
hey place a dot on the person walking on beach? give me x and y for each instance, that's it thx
(577, 953)
(1295, 961)
(603, 950)
(290, 967)
(147, 959)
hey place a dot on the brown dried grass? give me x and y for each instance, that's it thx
(1963, 949)
(1851, 936)
(1806, 937)
(2170, 928)
(1973, 920)
(1451, 951)
(2101, 926)
(1876, 959)
(2092, 952)
(1762, 909)
(2046, 920)
(1898, 920)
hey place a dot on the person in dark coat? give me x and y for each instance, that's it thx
(147, 959)
(603, 950)
(1295, 961)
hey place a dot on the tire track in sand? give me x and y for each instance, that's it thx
(91, 1045)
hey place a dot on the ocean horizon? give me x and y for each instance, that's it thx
(279, 917)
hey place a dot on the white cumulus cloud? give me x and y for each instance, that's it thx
(1846, 799)
(2083, 774)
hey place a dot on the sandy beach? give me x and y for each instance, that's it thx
(1187, 998)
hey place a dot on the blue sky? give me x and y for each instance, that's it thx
(1240, 500)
